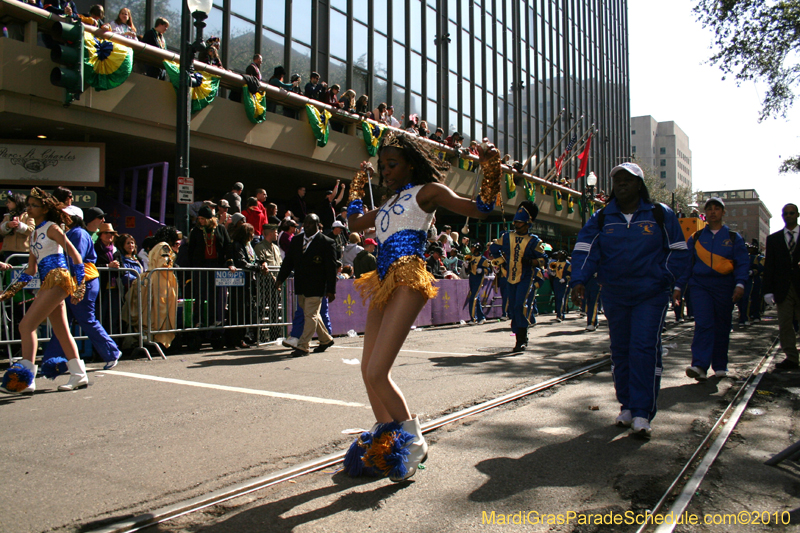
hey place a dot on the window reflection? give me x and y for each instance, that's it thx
(274, 15)
(360, 10)
(380, 16)
(431, 115)
(399, 102)
(380, 61)
(416, 72)
(415, 23)
(171, 10)
(301, 61)
(271, 50)
(360, 41)
(466, 92)
(301, 20)
(430, 25)
(398, 20)
(241, 45)
(399, 64)
(432, 90)
(379, 92)
(338, 39)
(338, 74)
(245, 8)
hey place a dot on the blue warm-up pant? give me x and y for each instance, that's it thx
(517, 295)
(713, 308)
(560, 291)
(635, 331)
(502, 284)
(592, 302)
(84, 313)
(299, 320)
(474, 298)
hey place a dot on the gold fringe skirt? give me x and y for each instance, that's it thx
(407, 271)
(60, 277)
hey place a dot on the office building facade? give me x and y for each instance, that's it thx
(663, 148)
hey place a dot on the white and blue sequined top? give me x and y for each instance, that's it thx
(401, 228)
(49, 254)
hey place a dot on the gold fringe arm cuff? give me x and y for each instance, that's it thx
(490, 185)
(360, 180)
(407, 271)
(80, 291)
(12, 289)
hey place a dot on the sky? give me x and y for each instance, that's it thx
(671, 79)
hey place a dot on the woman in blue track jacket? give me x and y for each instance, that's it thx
(717, 276)
(638, 250)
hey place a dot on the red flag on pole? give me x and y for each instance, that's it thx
(584, 157)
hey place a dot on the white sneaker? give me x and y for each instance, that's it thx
(641, 427)
(624, 419)
(721, 374)
(746, 322)
(590, 327)
(697, 373)
(290, 342)
(481, 322)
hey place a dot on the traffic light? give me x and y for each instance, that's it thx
(70, 54)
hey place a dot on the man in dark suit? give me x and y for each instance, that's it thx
(312, 257)
(254, 68)
(155, 37)
(781, 284)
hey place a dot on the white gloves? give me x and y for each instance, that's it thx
(562, 280)
(769, 299)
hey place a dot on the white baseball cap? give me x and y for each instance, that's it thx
(633, 168)
(73, 211)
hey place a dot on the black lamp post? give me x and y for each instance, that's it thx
(198, 9)
(588, 195)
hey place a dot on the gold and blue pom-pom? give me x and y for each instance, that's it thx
(54, 367)
(388, 453)
(17, 378)
(354, 458)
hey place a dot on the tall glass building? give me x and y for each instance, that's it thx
(502, 69)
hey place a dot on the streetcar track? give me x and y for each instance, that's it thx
(217, 497)
(199, 503)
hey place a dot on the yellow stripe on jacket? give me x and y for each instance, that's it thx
(713, 261)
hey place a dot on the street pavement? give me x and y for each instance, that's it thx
(152, 433)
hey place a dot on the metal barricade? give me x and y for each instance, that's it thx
(181, 300)
(109, 308)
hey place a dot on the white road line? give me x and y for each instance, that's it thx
(411, 351)
(236, 389)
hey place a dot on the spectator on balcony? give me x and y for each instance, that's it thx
(379, 113)
(327, 209)
(155, 37)
(210, 56)
(423, 129)
(438, 135)
(234, 198)
(254, 68)
(390, 120)
(362, 105)
(314, 89)
(332, 96)
(66, 8)
(348, 101)
(297, 205)
(454, 140)
(95, 18)
(123, 24)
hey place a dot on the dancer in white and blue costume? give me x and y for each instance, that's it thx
(48, 257)
(399, 289)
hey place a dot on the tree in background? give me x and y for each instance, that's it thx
(758, 40)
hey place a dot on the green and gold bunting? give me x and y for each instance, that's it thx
(557, 199)
(467, 164)
(530, 190)
(570, 204)
(203, 86)
(438, 154)
(544, 189)
(373, 133)
(255, 106)
(591, 208)
(320, 123)
(511, 187)
(106, 64)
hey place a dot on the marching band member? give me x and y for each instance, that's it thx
(560, 274)
(400, 287)
(637, 248)
(47, 255)
(519, 252)
(477, 267)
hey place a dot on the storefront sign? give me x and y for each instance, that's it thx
(47, 164)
